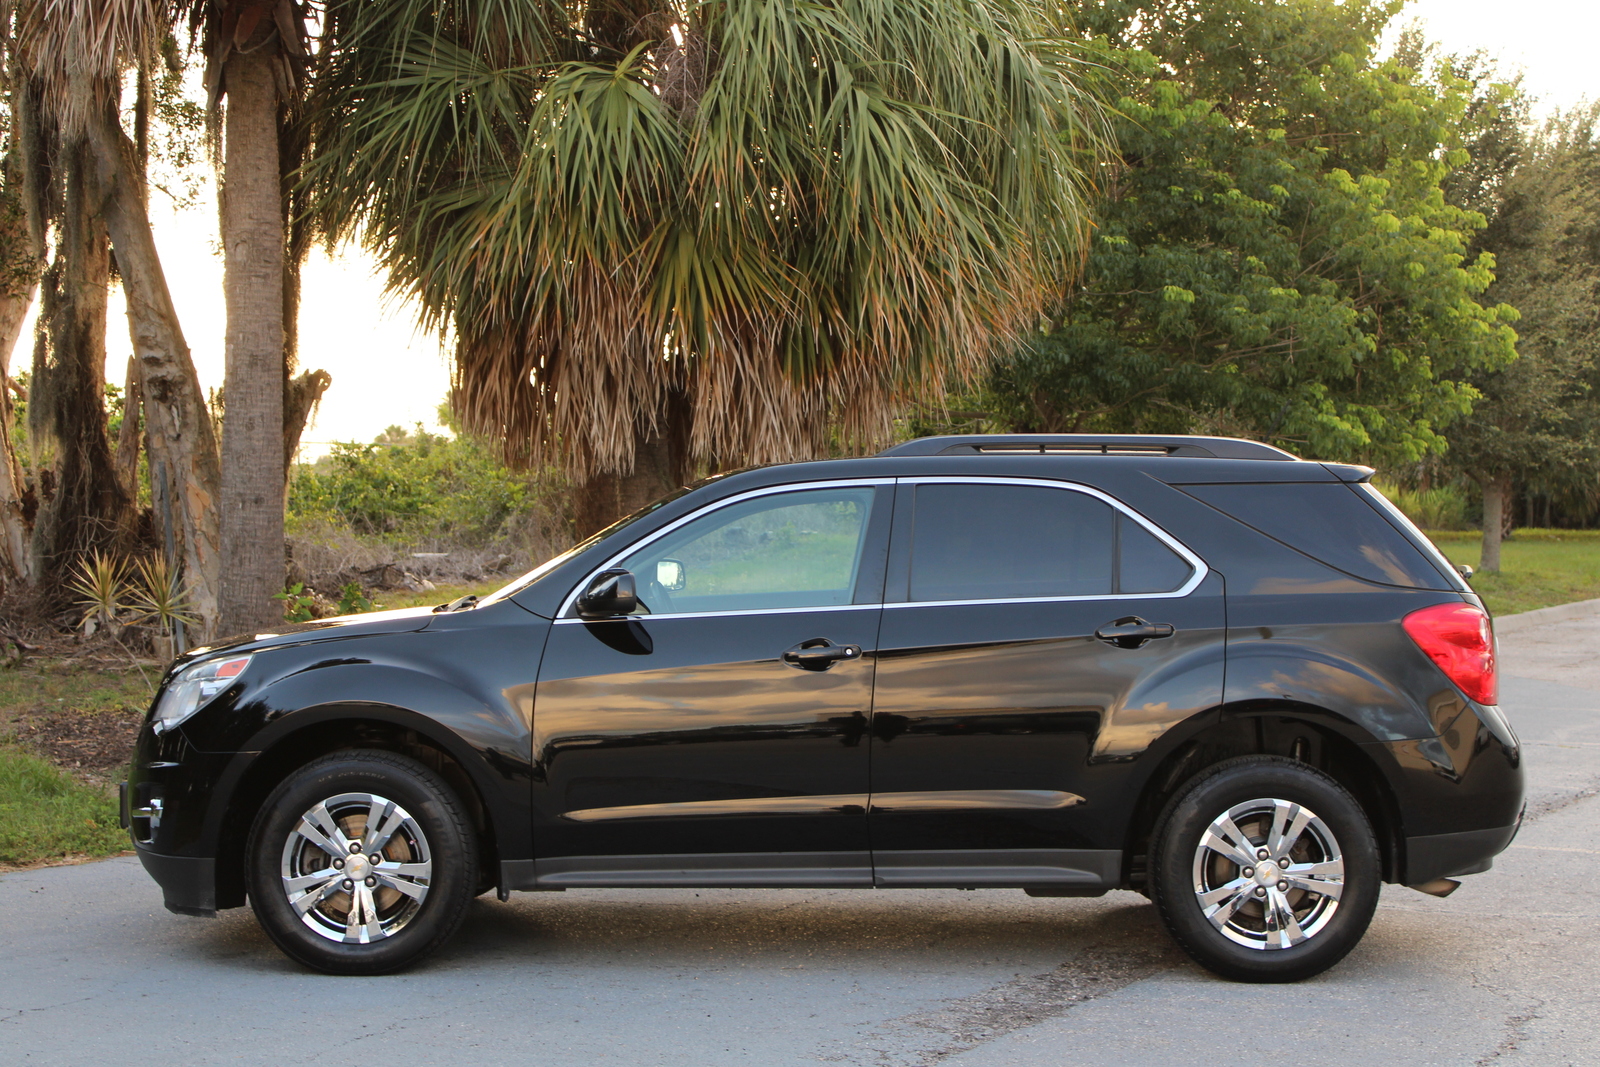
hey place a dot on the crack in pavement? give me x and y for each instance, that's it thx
(1516, 1032)
(1137, 948)
(1551, 803)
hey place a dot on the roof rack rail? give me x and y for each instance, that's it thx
(1087, 444)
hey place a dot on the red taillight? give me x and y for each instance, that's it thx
(1460, 639)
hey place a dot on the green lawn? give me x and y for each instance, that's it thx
(46, 815)
(1538, 568)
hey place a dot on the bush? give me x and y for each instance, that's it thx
(1444, 507)
(417, 489)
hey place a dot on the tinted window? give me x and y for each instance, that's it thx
(1328, 522)
(1145, 565)
(789, 550)
(993, 542)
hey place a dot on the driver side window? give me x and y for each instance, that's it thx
(788, 550)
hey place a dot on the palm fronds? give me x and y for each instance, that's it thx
(797, 215)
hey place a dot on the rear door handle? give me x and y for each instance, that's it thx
(1130, 631)
(819, 653)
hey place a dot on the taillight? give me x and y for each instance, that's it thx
(1460, 639)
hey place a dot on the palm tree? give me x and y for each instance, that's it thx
(69, 61)
(254, 49)
(671, 235)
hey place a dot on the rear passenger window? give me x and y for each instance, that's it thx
(1005, 542)
(1328, 522)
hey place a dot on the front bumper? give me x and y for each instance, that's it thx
(188, 884)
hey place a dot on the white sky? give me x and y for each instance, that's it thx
(1552, 40)
(385, 372)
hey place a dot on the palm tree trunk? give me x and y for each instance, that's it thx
(252, 433)
(660, 465)
(178, 434)
(1494, 506)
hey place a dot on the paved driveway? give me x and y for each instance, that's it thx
(1506, 971)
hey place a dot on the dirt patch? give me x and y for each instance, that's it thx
(94, 746)
(72, 860)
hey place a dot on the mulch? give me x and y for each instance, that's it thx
(93, 747)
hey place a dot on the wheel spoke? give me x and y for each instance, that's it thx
(1331, 890)
(405, 870)
(383, 819)
(1223, 892)
(362, 924)
(414, 890)
(309, 881)
(1283, 928)
(1237, 850)
(1324, 869)
(309, 900)
(1220, 914)
(1288, 823)
(318, 827)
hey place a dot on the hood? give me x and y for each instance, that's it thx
(401, 620)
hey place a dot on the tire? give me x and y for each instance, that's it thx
(1274, 924)
(313, 832)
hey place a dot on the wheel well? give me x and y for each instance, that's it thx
(321, 739)
(1274, 732)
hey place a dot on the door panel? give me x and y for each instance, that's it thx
(1008, 721)
(681, 747)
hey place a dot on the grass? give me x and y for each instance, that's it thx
(46, 815)
(1538, 568)
(439, 594)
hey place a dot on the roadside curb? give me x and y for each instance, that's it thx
(1526, 620)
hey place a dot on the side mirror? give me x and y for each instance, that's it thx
(609, 595)
(1466, 570)
(671, 575)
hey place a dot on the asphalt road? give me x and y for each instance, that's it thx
(1505, 972)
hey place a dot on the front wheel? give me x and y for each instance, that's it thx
(361, 863)
(1265, 870)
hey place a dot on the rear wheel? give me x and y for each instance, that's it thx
(361, 863)
(1265, 870)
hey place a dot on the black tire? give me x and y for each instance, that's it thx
(1247, 944)
(403, 908)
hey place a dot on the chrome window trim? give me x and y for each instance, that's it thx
(717, 505)
(1198, 565)
(1198, 574)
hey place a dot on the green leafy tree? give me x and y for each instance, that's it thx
(670, 235)
(1276, 257)
(1538, 426)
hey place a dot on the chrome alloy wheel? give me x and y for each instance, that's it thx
(1268, 874)
(356, 868)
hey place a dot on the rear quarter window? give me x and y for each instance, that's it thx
(1330, 523)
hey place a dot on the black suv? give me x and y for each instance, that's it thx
(1238, 682)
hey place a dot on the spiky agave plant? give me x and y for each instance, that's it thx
(99, 585)
(159, 595)
(714, 228)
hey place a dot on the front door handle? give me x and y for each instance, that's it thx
(1130, 631)
(818, 654)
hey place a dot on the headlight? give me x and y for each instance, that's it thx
(193, 689)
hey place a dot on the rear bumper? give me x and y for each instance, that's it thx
(188, 884)
(1447, 855)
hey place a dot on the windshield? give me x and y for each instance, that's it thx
(517, 585)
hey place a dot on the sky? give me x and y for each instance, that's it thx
(385, 372)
